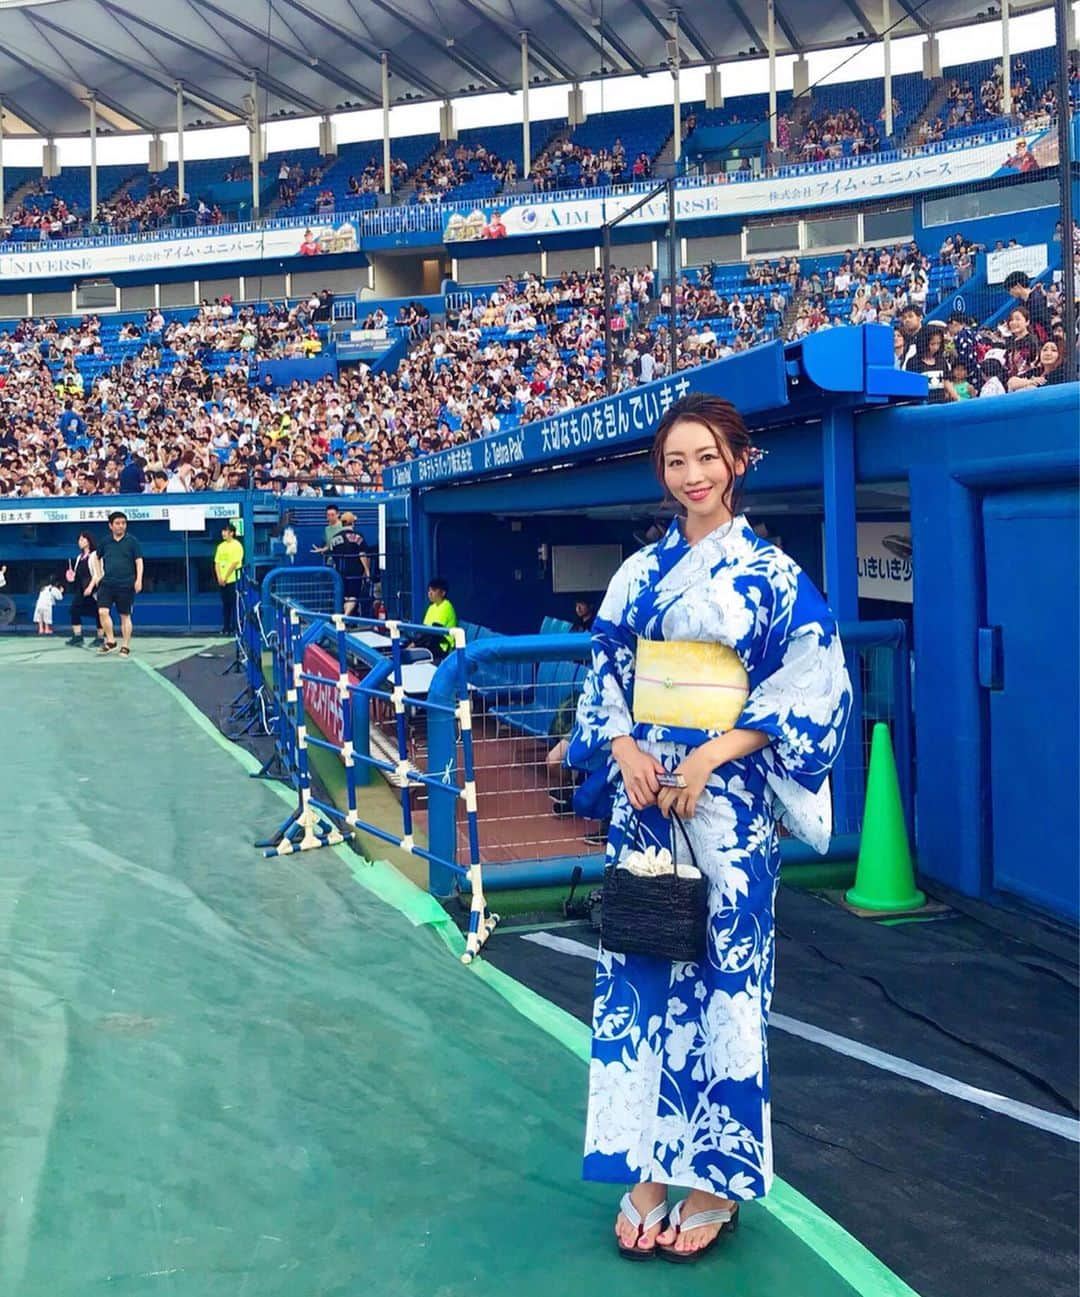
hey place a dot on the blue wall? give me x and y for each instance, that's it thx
(1035, 226)
(992, 751)
(991, 484)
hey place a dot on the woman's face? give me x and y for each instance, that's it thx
(1049, 355)
(698, 473)
(1018, 325)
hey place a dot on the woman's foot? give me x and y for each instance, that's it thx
(693, 1240)
(644, 1197)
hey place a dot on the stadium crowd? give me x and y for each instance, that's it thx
(174, 414)
(182, 408)
(961, 358)
(832, 134)
(459, 166)
(969, 106)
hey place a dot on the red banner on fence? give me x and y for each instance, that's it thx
(321, 701)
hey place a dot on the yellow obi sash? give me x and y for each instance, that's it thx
(688, 684)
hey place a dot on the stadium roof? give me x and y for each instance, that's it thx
(323, 56)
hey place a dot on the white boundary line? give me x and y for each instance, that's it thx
(1052, 1122)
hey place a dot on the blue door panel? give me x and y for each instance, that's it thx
(1032, 577)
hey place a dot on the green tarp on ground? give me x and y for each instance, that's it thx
(224, 1075)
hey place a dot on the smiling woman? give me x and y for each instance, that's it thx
(679, 1085)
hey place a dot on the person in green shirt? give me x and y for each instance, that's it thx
(440, 612)
(333, 526)
(228, 560)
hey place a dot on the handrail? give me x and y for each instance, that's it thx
(432, 217)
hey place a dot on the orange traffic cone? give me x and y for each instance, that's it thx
(885, 876)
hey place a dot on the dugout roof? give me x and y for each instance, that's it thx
(323, 56)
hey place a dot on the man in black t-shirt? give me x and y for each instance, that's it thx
(122, 565)
(348, 553)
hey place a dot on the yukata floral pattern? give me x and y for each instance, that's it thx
(679, 1079)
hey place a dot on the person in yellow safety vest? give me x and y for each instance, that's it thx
(228, 560)
(440, 612)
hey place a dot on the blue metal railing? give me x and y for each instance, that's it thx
(316, 823)
(431, 218)
(878, 659)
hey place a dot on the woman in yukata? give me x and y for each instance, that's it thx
(716, 661)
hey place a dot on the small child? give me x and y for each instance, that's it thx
(958, 387)
(43, 610)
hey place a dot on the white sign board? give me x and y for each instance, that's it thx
(99, 512)
(719, 196)
(187, 517)
(885, 561)
(1032, 260)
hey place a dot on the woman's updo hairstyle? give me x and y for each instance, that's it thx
(730, 433)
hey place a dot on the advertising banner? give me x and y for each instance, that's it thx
(321, 702)
(858, 183)
(756, 379)
(98, 511)
(58, 257)
(885, 561)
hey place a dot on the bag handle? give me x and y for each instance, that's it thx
(674, 853)
(689, 847)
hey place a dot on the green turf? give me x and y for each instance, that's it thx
(234, 1077)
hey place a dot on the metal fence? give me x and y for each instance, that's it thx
(474, 746)
(318, 589)
(432, 217)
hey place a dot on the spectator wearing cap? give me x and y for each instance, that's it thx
(960, 342)
(71, 424)
(993, 373)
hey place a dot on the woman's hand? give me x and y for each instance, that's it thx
(683, 801)
(638, 770)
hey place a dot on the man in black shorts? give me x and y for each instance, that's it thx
(122, 563)
(348, 555)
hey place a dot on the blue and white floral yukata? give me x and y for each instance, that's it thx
(679, 1080)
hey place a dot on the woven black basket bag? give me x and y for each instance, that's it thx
(665, 917)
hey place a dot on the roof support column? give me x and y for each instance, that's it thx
(384, 65)
(180, 139)
(1006, 62)
(526, 140)
(673, 63)
(92, 104)
(842, 581)
(1, 159)
(256, 146)
(886, 41)
(771, 40)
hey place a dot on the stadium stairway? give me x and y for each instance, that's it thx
(25, 190)
(794, 306)
(121, 191)
(934, 106)
(664, 162)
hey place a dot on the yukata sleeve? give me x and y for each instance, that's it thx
(801, 698)
(603, 711)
